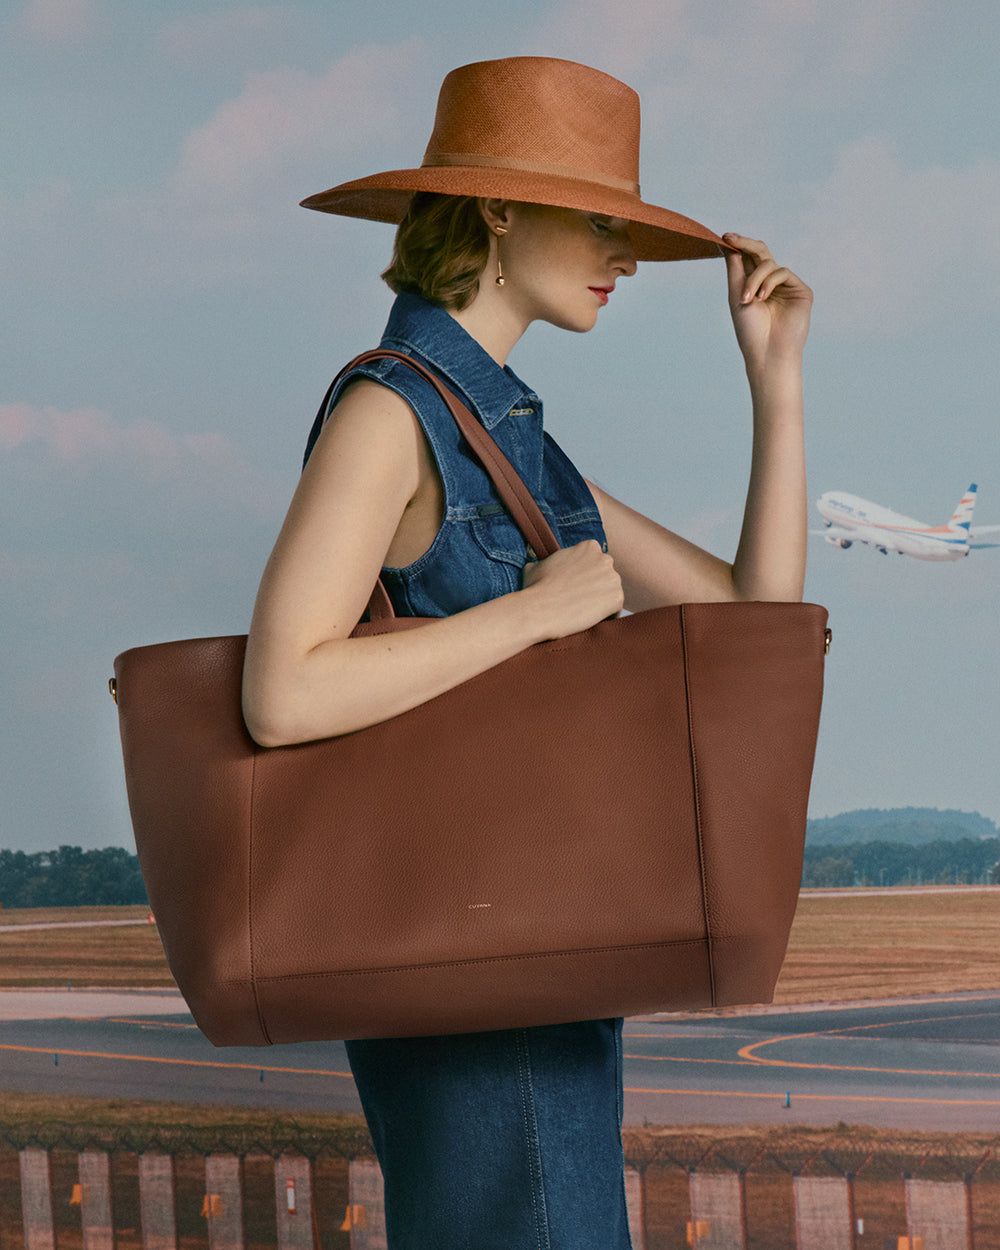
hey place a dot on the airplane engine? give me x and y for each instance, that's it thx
(843, 543)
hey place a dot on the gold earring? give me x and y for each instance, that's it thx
(499, 278)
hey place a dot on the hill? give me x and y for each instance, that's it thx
(914, 826)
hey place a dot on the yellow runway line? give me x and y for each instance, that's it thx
(700, 1037)
(796, 1097)
(731, 1063)
(191, 1063)
(148, 1024)
(747, 1052)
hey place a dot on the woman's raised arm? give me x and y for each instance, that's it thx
(770, 308)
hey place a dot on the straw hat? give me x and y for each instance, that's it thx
(540, 130)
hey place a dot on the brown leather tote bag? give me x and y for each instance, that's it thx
(607, 824)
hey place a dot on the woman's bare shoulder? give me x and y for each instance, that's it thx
(370, 423)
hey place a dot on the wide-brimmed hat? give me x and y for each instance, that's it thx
(535, 129)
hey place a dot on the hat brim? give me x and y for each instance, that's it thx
(656, 233)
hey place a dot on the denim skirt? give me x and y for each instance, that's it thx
(499, 1141)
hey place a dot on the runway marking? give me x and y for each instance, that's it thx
(191, 1063)
(747, 1052)
(149, 1024)
(796, 1097)
(891, 1024)
(735, 1063)
(697, 1037)
(629, 1089)
(73, 924)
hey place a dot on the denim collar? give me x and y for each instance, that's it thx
(426, 329)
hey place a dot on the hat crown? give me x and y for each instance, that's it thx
(538, 113)
(539, 130)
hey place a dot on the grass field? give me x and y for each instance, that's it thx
(128, 955)
(843, 947)
(892, 945)
(106, 1121)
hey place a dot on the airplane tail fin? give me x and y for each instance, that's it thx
(961, 519)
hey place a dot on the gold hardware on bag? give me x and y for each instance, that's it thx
(827, 635)
(113, 687)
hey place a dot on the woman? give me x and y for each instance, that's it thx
(526, 208)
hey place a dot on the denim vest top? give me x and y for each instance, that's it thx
(478, 553)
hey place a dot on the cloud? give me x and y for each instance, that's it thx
(85, 443)
(236, 35)
(287, 115)
(729, 55)
(116, 531)
(57, 21)
(891, 247)
(619, 39)
(223, 212)
(727, 87)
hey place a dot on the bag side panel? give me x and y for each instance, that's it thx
(188, 767)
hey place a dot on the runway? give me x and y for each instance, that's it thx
(931, 1063)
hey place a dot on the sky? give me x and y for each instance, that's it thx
(171, 319)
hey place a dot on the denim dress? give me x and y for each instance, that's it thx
(505, 1140)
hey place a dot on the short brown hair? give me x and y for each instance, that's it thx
(442, 246)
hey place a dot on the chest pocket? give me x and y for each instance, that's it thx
(499, 539)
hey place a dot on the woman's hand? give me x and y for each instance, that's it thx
(769, 304)
(573, 589)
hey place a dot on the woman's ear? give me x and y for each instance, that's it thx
(495, 213)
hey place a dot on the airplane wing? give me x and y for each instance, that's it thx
(838, 536)
(867, 535)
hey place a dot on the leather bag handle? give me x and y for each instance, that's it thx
(517, 499)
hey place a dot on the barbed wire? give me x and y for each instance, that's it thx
(798, 1152)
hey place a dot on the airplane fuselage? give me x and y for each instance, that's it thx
(851, 519)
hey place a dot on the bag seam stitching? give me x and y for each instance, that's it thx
(696, 786)
(250, 926)
(485, 959)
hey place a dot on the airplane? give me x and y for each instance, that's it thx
(849, 519)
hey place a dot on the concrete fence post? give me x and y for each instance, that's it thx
(716, 1211)
(937, 1212)
(156, 1202)
(293, 1202)
(223, 1205)
(36, 1200)
(635, 1202)
(822, 1213)
(95, 1200)
(366, 1206)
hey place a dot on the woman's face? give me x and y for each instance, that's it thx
(560, 264)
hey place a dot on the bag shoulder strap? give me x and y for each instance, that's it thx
(518, 500)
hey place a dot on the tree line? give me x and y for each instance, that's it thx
(912, 825)
(71, 877)
(967, 861)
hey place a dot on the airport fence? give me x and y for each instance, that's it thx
(129, 1188)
